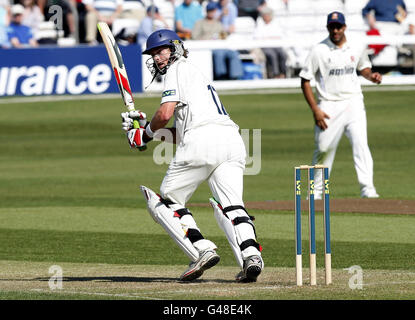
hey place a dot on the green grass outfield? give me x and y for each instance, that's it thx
(69, 197)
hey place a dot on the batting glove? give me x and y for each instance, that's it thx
(129, 117)
(135, 138)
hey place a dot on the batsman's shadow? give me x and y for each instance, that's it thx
(133, 279)
(112, 279)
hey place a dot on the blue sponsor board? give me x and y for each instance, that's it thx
(73, 71)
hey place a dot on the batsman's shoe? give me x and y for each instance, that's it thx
(252, 269)
(371, 196)
(369, 193)
(207, 260)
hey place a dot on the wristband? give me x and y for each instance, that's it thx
(149, 132)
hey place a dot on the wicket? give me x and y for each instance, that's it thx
(312, 226)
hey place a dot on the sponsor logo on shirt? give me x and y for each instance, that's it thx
(341, 71)
(169, 93)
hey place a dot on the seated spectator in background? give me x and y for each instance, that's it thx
(4, 42)
(152, 21)
(19, 35)
(97, 11)
(411, 26)
(133, 9)
(276, 58)
(4, 22)
(226, 63)
(68, 21)
(209, 28)
(227, 12)
(81, 9)
(408, 58)
(32, 15)
(385, 16)
(250, 8)
(185, 17)
(4, 12)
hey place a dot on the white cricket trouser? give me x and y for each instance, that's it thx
(214, 153)
(348, 117)
(217, 154)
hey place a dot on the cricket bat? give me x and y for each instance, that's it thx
(119, 69)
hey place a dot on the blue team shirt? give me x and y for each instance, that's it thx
(21, 32)
(188, 15)
(230, 18)
(385, 10)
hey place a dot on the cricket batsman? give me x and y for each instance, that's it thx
(209, 148)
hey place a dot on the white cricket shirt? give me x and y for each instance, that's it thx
(199, 104)
(334, 69)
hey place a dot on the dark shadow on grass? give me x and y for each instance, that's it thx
(131, 279)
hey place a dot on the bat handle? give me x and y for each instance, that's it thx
(136, 126)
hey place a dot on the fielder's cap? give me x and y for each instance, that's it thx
(211, 6)
(17, 9)
(336, 17)
(152, 8)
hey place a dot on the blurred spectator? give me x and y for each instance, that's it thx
(4, 42)
(4, 22)
(276, 58)
(133, 9)
(126, 36)
(19, 35)
(250, 8)
(376, 48)
(209, 28)
(5, 12)
(152, 21)
(32, 15)
(226, 62)
(227, 12)
(411, 27)
(97, 11)
(407, 58)
(385, 16)
(49, 12)
(185, 16)
(81, 10)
